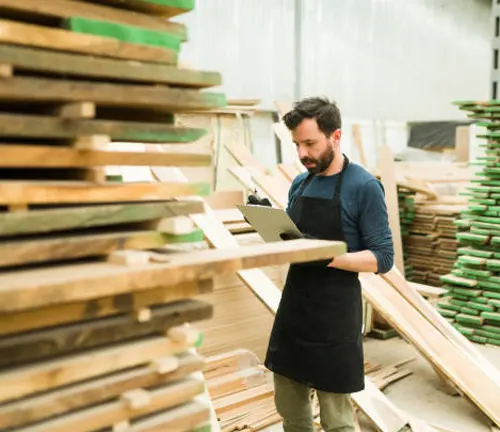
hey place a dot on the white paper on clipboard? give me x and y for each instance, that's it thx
(269, 222)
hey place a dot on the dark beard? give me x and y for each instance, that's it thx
(322, 163)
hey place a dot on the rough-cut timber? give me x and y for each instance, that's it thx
(46, 11)
(161, 98)
(78, 65)
(37, 126)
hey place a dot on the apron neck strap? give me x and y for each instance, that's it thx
(336, 195)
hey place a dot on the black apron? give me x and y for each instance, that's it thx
(317, 333)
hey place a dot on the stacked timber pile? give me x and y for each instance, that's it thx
(474, 283)
(95, 306)
(406, 202)
(431, 245)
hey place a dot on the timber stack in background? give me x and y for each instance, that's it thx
(96, 295)
(473, 284)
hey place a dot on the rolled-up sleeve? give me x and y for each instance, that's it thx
(374, 227)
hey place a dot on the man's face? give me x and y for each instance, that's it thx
(315, 150)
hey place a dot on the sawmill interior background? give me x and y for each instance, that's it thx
(133, 294)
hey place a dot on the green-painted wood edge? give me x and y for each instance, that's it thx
(123, 32)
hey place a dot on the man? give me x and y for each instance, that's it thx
(316, 340)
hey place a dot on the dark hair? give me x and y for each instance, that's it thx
(326, 113)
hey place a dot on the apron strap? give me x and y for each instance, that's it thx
(336, 194)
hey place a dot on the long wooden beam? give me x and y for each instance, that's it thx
(49, 286)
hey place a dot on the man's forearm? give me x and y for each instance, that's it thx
(361, 262)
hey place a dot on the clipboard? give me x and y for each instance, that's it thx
(269, 222)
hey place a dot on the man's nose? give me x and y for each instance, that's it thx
(301, 152)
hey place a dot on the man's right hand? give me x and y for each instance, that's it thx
(255, 200)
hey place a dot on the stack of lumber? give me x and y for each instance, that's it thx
(430, 245)
(243, 393)
(89, 344)
(406, 202)
(97, 310)
(474, 283)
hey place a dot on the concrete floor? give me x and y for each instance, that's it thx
(423, 394)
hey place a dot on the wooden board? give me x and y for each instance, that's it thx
(255, 279)
(186, 417)
(19, 192)
(128, 304)
(37, 126)
(441, 353)
(81, 217)
(388, 178)
(70, 8)
(36, 156)
(19, 252)
(114, 412)
(43, 287)
(31, 379)
(396, 280)
(161, 98)
(163, 8)
(379, 409)
(76, 65)
(71, 339)
(17, 33)
(77, 396)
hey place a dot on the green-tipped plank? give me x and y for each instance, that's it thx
(60, 63)
(123, 32)
(13, 125)
(469, 319)
(472, 238)
(164, 8)
(458, 281)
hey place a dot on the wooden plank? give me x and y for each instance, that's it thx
(36, 156)
(114, 412)
(37, 126)
(183, 418)
(123, 32)
(67, 218)
(356, 133)
(27, 380)
(49, 343)
(70, 8)
(17, 33)
(244, 156)
(43, 287)
(68, 313)
(469, 376)
(396, 280)
(379, 409)
(255, 279)
(66, 64)
(462, 143)
(19, 192)
(161, 98)
(80, 395)
(19, 252)
(388, 178)
(163, 8)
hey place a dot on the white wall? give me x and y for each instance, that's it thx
(381, 60)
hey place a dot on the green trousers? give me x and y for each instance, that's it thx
(293, 403)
